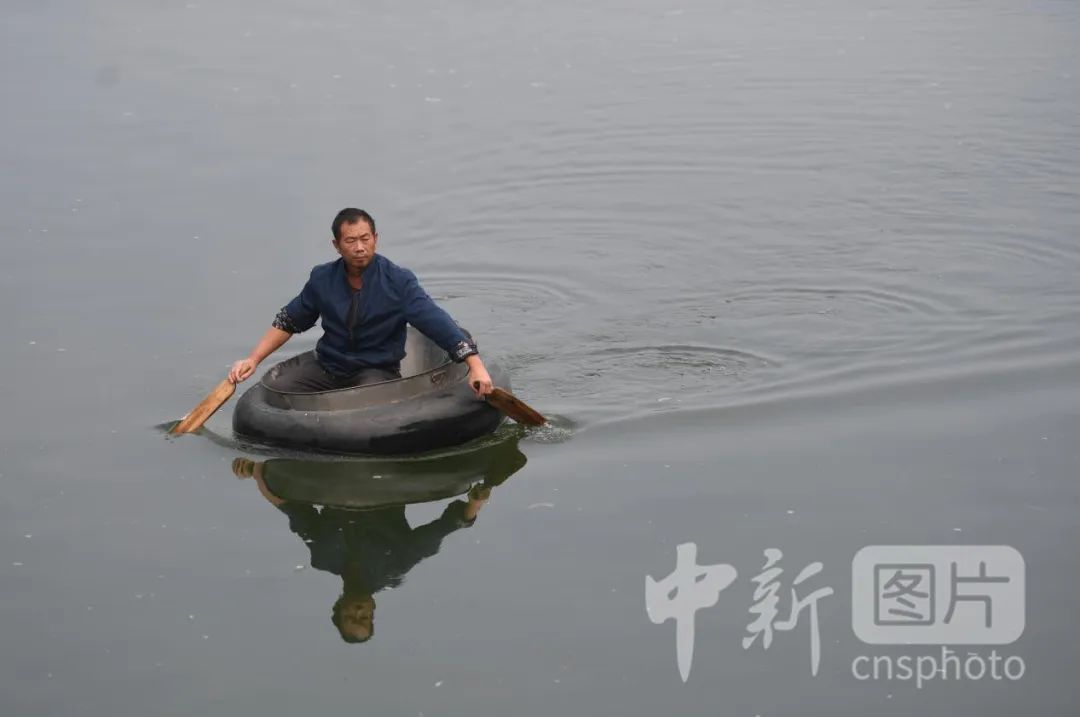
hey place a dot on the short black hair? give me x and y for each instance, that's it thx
(350, 215)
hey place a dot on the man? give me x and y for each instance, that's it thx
(364, 300)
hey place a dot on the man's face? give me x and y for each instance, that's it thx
(357, 244)
(357, 618)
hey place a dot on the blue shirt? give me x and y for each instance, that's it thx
(366, 328)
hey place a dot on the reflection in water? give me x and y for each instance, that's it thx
(351, 515)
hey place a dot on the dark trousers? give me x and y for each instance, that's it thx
(304, 374)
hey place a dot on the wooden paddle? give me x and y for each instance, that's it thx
(515, 408)
(194, 420)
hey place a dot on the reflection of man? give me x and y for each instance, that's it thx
(369, 550)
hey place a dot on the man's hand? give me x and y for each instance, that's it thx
(479, 380)
(245, 468)
(478, 496)
(272, 340)
(479, 493)
(242, 369)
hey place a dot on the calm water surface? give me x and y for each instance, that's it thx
(793, 275)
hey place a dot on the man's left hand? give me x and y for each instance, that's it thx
(478, 496)
(479, 380)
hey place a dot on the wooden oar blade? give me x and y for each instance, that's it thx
(199, 415)
(514, 407)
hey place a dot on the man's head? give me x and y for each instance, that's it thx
(355, 237)
(354, 617)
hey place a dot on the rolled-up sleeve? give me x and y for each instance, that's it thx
(303, 519)
(423, 313)
(425, 540)
(301, 313)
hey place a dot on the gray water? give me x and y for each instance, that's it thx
(794, 275)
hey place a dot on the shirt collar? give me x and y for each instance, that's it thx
(367, 269)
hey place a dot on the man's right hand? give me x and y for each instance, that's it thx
(241, 370)
(271, 341)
